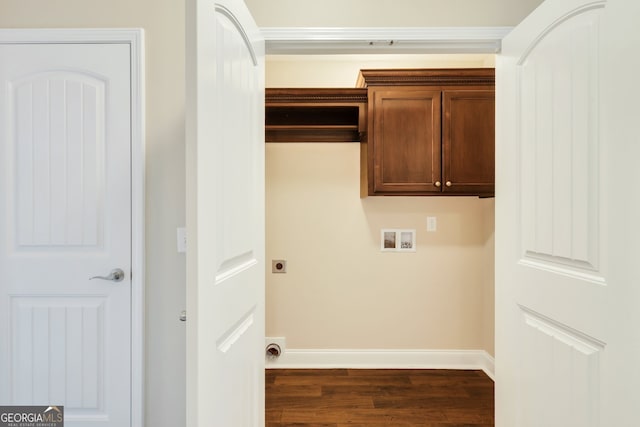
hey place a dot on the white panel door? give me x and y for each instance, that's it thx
(225, 216)
(65, 216)
(567, 282)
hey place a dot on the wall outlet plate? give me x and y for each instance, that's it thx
(278, 266)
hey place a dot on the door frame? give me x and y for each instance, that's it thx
(309, 41)
(383, 40)
(135, 39)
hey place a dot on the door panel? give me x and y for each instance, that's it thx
(410, 162)
(51, 334)
(558, 113)
(59, 174)
(65, 216)
(563, 365)
(225, 217)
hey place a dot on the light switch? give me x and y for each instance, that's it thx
(182, 240)
(432, 224)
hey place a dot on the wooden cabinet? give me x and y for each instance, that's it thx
(430, 132)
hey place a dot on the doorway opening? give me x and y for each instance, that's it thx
(342, 300)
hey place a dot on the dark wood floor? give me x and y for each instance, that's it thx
(362, 397)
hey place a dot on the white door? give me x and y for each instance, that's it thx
(65, 216)
(567, 213)
(225, 216)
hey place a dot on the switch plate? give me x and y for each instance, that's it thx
(182, 239)
(278, 266)
(432, 223)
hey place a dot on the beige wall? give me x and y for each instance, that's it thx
(163, 21)
(390, 13)
(342, 70)
(341, 291)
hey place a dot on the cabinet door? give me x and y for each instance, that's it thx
(405, 131)
(468, 141)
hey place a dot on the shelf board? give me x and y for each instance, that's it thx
(315, 115)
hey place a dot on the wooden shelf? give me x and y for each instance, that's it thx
(315, 115)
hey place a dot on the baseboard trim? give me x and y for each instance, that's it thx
(384, 359)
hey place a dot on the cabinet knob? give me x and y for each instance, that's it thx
(437, 184)
(448, 184)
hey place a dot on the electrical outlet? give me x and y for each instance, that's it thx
(278, 266)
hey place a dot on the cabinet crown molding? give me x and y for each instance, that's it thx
(426, 77)
(311, 95)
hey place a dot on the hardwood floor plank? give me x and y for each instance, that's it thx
(343, 380)
(307, 372)
(272, 416)
(364, 416)
(280, 390)
(343, 403)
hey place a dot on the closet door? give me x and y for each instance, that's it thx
(225, 216)
(567, 251)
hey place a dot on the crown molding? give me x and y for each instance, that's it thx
(347, 96)
(427, 77)
(400, 40)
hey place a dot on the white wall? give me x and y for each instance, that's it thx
(341, 291)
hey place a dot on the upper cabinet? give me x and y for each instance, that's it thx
(430, 132)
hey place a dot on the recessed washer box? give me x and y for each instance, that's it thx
(397, 240)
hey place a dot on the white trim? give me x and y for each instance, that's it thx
(384, 359)
(488, 365)
(135, 39)
(317, 40)
(138, 265)
(132, 36)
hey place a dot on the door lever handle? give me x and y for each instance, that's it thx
(116, 275)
